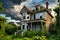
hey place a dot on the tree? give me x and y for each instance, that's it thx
(2, 28)
(57, 17)
(1, 7)
(2, 22)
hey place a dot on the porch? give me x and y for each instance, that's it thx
(35, 25)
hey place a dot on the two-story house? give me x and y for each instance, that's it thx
(31, 18)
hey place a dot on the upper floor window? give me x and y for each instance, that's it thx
(34, 16)
(23, 17)
(28, 13)
(28, 17)
(40, 17)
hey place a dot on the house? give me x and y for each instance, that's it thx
(31, 18)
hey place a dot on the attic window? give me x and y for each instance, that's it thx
(21, 13)
(28, 13)
(36, 8)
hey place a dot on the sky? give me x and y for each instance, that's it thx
(52, 3)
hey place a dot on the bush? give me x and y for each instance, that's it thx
(53, 37)
(1, 36)
(30, 34)
(18, 34)
(43, 31)
(9, 37)
(39, 38)
(10, 29)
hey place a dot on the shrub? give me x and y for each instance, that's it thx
(39, 38)
(18, 34)
(10, 29)
(30, 34)
(43, 31)
(9, 37)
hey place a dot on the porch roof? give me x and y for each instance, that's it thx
(36, 20)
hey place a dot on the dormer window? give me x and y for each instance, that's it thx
(21, 13)
(28, 13)
(36, 8)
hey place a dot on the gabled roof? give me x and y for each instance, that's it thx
(42, 10)
(49, 13)
(28, 9)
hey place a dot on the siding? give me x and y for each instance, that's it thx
(37, 15)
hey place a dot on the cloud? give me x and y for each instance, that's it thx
(52, 3)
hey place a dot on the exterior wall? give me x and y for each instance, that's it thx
(48, 21)
(43, 14)
(37, 15)
(26, 15)
(25, 25)
(32, 17)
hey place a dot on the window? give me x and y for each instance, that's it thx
(23, 17)
(28, 13)
(28, 17)
(34, 16)
(36, 8)
(40, 17)
(23, 26)
(21, 13)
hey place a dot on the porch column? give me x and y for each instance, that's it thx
(31, 25)
(21, 27)
(26, 27)
(35, 26)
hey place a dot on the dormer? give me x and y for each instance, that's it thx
(37, 8)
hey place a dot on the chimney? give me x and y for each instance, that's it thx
(47, 4)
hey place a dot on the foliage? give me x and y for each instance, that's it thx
(30, 34)
(1, 7)
(2, 28)
(57, 17)
(2, 19)
(10, 29)
(18, 34)
(43, 31)
(52, 29)
(8, 37)
(39, 38)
